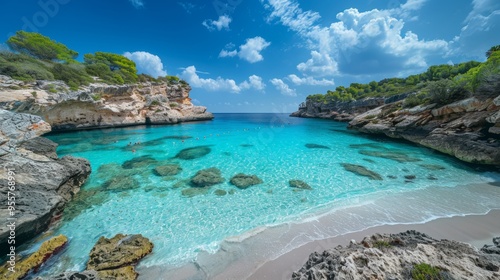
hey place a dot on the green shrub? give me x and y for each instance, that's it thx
(381, 244)
(52, 89)
(174, 105)
(23, 67)
(74, 75)
(96, 97)
(34, 94)
(40, 46)
(425, 271)
(117, 64)
(155, 103)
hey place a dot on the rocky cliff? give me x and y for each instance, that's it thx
(468, 129)
(408, 255)
(340, 110)
(39, 183)
(100, 105)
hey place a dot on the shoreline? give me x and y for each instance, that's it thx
(276, 252)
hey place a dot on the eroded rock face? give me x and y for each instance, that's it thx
(101, 105)
(43, 182)
(395, 256)
(467, 129)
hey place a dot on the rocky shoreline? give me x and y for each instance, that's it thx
(44, 183)
(407, 255)
(468, 129)
(101, 105)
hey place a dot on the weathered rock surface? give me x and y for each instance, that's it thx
(395, 256)
(115, 257)
(30, 264)
(167, 170)
(467, 129)
(101, 105)
(43, 182)
(244, 181)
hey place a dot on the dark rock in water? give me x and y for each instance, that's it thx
(377, 146)
(167, 170)
(191, 192)
(392, 177)
(84, 200)
(114, 258)
(410, 177)
(299, 184)
(119, 184)
(85, 275)
(207, 177)
(181, 184)
(316, 146)
(139, 162)
(220, 192)
(246, 145)
(432, 167)
(432, 177)
(244, 181)
(392, 155)
(194, 153)
(231, 192)
(396, 256)
(160, 141)
(369, 160)
(362, 171)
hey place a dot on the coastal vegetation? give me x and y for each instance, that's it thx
(37, 57)
(440, 84)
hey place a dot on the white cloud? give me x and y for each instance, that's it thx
(137, 3)
(222, 23)
(147, 63)
(220, 84)
(187, 6)
(310, 81)
(358, 42)
(250, 51)
(477, 34)
(255, 82)
(224, 53)
(283, 87)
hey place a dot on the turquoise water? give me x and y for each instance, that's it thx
(274, 147)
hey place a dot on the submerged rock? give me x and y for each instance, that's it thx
(71, 275)
(410, 177)
(121, 251)
(139, 162)
(207, 177)
(246, 145)
(316, 146)
(35, 260)
(191, 192)
(194, 153)
(84, 200)
(432, 167)
(401, 157)
(167, 170)
(120, 184)
(244, 181)
(220, 192)
(400, 256)
(362, 171)
(298, 184)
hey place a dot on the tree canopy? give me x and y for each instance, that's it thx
(111, 67)
(40, 47)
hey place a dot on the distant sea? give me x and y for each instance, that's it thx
(125, 195)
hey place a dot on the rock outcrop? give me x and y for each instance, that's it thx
(402, 256)
(114, 258)
(342, 111)
(101, 105)
(43, 182)
(468, 129)
(31, 263)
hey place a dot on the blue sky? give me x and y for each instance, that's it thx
(267, 55)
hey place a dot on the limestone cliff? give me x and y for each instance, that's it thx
(100, 105)
(468, 129)
(43, 183)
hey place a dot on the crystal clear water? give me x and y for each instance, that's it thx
(274, 147)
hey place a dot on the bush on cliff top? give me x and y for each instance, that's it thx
(41, 47)
(118, 65)
(23, 67)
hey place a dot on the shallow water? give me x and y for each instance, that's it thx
(125, 195)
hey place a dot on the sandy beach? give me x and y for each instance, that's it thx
(276, 252)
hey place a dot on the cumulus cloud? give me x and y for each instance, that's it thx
(478, 35)
(222, 23)
(310, 81)
(283, 87)
(220, 84)
(254, 82)
(357, 42)
(137, 3)
(147, 63)
(250, 51)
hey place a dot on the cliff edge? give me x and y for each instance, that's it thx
(100, 105)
